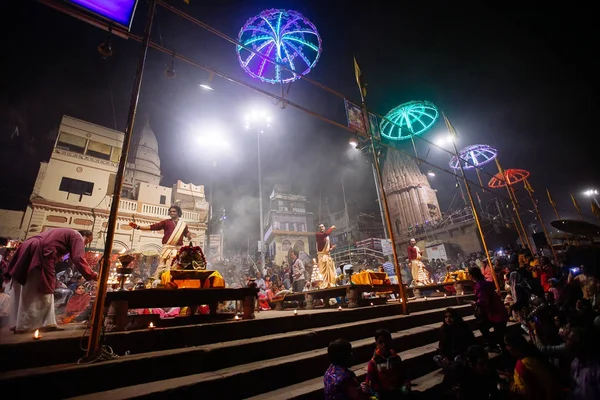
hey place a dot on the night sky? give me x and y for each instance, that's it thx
(522, 79)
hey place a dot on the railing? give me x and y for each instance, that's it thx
(347, 255)
(151, 210)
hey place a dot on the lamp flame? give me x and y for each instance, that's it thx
(36, 334)
(151, 326)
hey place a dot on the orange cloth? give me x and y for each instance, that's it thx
(214, 280)
(370, 278)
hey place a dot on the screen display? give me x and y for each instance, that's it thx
(118, 11)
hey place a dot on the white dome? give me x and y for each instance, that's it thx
(146, 162)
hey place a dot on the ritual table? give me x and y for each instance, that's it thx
(119, 302)
(368, 281)
(196, 279)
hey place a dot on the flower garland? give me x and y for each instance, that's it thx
(190, 255)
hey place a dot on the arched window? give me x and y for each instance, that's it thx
(286, 245)
(299, 246)
(398, 226)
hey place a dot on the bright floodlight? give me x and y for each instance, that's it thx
(442, 140)
(205, 86)
(258, 119)
(591, 192)
(213, 141)
(353, 142)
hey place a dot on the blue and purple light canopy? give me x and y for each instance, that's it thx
(284, 36)
(409, 119)
(119, 11)
(474, 155)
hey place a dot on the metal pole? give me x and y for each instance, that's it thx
(210, 216)
(346, 217)
(260, 206)
(385, 232)
(385, 204)
(537, 211)
(98, 313)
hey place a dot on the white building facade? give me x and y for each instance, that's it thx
(74, 189)
(288, 226)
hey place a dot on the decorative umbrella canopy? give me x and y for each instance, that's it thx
(576, 227)
(475, 155)
(512, 176)
(285, 36)
(409, 119)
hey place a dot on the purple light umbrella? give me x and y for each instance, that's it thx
(286, 38)
(474, 156)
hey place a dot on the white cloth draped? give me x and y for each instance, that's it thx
(30, 309)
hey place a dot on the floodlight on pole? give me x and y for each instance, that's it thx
(206, 84)
(259, 120)
(353, 143)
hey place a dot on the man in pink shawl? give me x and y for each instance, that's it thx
(34, 277)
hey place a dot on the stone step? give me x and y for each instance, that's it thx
(70, 380)
(258, 377)
(60, 348)
(19, 351)
(55, 348)
(419, 361)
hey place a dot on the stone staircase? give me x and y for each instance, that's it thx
(266, 358)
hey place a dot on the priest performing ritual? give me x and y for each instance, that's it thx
(324, 260)
(175, 229)
(418, 270)
(34, 277)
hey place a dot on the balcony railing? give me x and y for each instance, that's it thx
(151, 210)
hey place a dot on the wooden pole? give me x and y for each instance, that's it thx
(386, 209)
(98, 313)
(529, 190)
(553, 204)
(513, 200)
(470, 196)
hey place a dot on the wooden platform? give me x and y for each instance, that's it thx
(350, 295)
(448, 288)
(118, 303)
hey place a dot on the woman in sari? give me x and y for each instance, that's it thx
(77, 304)
(263, 301)
(533, 377)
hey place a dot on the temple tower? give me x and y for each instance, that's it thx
(411, 200)
(144, 166)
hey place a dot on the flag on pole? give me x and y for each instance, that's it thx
(528, 186)
(576, 206)
(595, 209)
(359, 80)
(550, 199)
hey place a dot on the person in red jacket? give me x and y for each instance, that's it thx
(489, 310)
(387, 377)
(34, 277)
